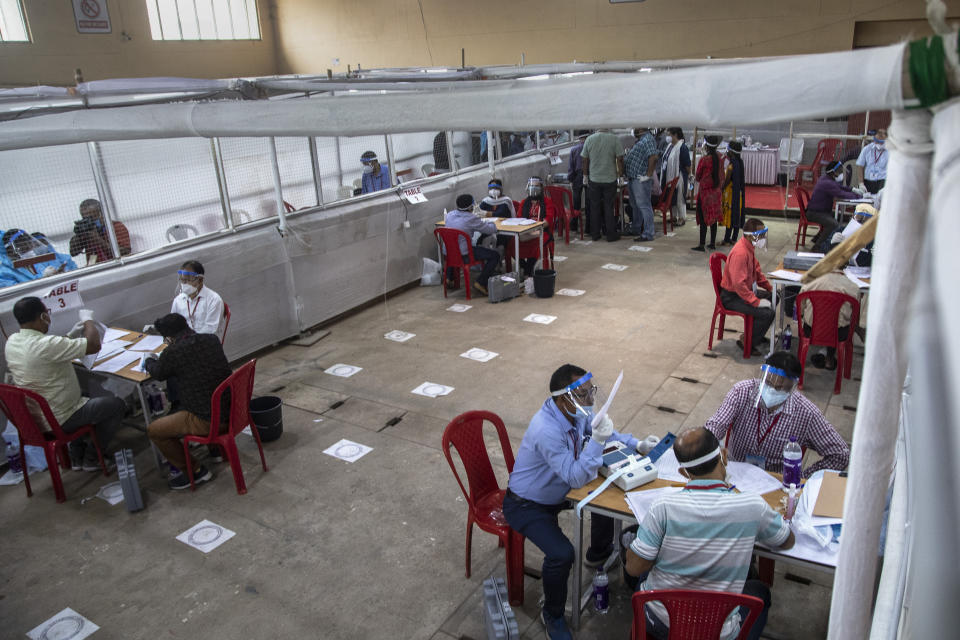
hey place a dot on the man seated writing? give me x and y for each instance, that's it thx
(462, 218)
(43, 363)
(761, 415)
(703, 536)
(199, 364)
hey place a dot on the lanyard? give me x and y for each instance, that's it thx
(877, 153)
(773, 423)
(706, 487)
(189, 312)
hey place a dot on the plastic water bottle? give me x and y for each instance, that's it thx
(792, 463)
(13, 458)
(786, 339)
(601, 592)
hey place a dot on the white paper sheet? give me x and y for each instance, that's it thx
(583, 242)
(641, 248)
(855, 273)
(606, 405)
(113, 346)
(398, 336)
(66, 625)
(559, 258)
(517, 222)
(805, 549)
(147, 343)
(750, 479)
(539, 318)
(343, 370)
(118, 362)
(571, 292)
(348, 451)
(111, 493)
(671, 234)
(432, 390)
(614, 267)
(478, 354)
(809, 254)
(668, 468)
(113, 334)
(783, 274)
(641, 501)
(459, 308)
(205, 536)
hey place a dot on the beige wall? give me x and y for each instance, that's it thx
(390, 33)
(57, 49)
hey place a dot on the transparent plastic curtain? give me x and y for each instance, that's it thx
(935, 414)
(899, 241)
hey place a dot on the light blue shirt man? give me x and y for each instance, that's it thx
(466, 221)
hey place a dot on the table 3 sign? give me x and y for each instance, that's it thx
(64, 296)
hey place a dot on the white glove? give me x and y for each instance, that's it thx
(49, 271)
(85, 314)
(836, 238)
(764, 304)
(147, 328)
(647, 444)
(603, 431)
(76, 331)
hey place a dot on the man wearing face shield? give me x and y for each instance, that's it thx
(199, 304)
(762, 414)
(872, 162)
(536, 206)
(496, 204)
(19, 245)
(742, 275)
(861, 214)
(559, 452)
(820, 208)
(376, 176)
(703, 536)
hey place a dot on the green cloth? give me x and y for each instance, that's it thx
(602, 149)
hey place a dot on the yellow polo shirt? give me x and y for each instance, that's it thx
(42, 363)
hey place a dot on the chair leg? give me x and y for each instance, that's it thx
(263, 460)
(55, 477)
(233, 456)
(713, 321)
(747, 337)
(723, 320)
(96, 444)
(466, 280)
(469, 542)
(514, 564)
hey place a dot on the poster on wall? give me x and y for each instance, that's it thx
(91, 16)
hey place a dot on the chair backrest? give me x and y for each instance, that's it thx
(226, 322)
(181, 232)
(803, 199)
(450, 244)
(240, 384)
(850, 173)
(562, 197)
(791, 152)
(695, 615)
(826, 314)
(14, 404)
(288, 208)
(344, 192)
(716, 270)
(465, 433)
(427, 169)
(406, 174)
(828, 148)
(666, 199)
(358, 183)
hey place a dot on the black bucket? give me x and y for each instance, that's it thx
(267, 414)
(543, 282)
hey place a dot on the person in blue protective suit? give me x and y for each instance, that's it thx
(559, 452)
(20, 245)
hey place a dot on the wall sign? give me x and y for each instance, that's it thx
(91, 16)
(64, 297)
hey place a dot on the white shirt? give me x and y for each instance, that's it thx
(204, 313)
(42, 363)
(873, 159)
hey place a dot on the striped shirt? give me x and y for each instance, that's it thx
(755, 431)
(702, 538)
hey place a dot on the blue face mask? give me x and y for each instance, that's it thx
(99, 225)
(879, 141)
(773, 397)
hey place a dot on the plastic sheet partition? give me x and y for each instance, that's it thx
(721, 95)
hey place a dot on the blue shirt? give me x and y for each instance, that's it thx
(467, 222)
(371, 182)
(873, 158)
(552, 458)
(636, 161)
(10, 276)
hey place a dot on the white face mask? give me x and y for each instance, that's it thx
(773, 398)
(669, 139)
(839, 177)
(760, 244)
(188, 289)
(368, 169)
(494, 193)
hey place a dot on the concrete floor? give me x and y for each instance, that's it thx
(374, 549)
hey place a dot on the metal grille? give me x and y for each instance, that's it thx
(249, 178)
(338, 160)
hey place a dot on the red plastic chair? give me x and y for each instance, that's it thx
(13, 402)
(240, 384)
(824, 332)
(695, 615)
(531, 248)
(484, 496)
(448, 240)
(826, 154)
(563, 198)
(803, 199)
(226, 322)
(664, 204)
(716, 272)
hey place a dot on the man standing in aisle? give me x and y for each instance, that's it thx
(641, 164)
(703, 536)
(872, 163)
(739, 277)
(602, 157)
(559, 452)
(575, 175)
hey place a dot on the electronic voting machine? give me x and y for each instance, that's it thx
(639, 469)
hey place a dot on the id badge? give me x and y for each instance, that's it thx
(757, 461)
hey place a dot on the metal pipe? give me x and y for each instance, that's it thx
(103, 192)
(315, 166)
(222, 183)
(491, 161)
(451, 156)
(277, 186)
(786, 196)
(388, 143)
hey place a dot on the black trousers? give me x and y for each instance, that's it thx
(842, 333)
(602, 196)
(762, 317)
(828, 225)
(874, 185)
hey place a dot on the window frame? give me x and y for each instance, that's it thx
(28, 38)
(187, 10)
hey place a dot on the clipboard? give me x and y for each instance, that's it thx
(833, 488)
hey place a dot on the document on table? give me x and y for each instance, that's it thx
(750, 479)
(517, 222)
(112, 346)
(783, 274)
(668, 468)
(641, 501)
(113, 334)
(117, 362)
(809, 254)
(854, 274)
(147, 343)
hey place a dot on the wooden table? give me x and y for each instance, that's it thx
(509, 230)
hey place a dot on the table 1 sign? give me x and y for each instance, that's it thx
(414, 195)
(64, 296)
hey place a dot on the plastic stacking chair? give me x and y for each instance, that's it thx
(826, 154)
(427, 169)
(695, 615)
(483, 495)
(825, 329)
(226, 322)
(664, 204)
(180, 232)
(803, 199)
(240, 385)
(450, 250)
(563, 198)
(13, 402)
(716, 272)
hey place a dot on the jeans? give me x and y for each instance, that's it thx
(762, 317)
(640, 191)
(659, 631)
(601, 196)
(105, 414)
(828, 225)
(538, 523)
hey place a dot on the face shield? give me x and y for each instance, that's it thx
(495, 190)
(758, 238)
(22, 245)
(188, 282)
(535, 188)
(367, 162)
(776, 385)
(581, 394)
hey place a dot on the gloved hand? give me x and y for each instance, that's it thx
(148, 328)
(836, 238)
(49, 271)
(85, 314)
(647, 444)
(603, 431)
(764, 304)
(76, 331)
